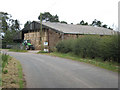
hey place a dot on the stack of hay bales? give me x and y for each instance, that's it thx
(35, 38)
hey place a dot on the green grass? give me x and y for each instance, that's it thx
(42, 52)
(20, 74)
(5, 59)
(4, 62)
(113, 66)
(17, 50)
(0, 79)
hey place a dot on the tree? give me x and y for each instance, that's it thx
(105, 26)
(96, 23)
(27, 23)
(15, 25)
(4, 18)
(86, 23)
(83, 23)
(9, 27)
(99, 24)
(46, 16)
(110, 28)
(8, 23)
(55, 18)
(63, 22)
(9, 36)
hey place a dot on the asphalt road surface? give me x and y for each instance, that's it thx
(42, 71)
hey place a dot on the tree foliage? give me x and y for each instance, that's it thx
(83, 23)
(98, 23)
(105, 26)
(105, 47)
(8, 23)
(46, 16)
(9, 26)
(15, 25)
(4, 18)
(63, 22)
(9, 36)
(27, 23)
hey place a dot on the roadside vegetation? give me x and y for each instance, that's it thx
(42, 52)
(113, 66)
(12, 76)
(105, 47)
(17, 50)
(100, 51)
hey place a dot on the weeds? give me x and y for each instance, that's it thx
(5, 71)
(5, 58)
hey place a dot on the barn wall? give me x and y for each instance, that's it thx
(48, 35)
(54, 38)
(72, 36)
(68, 36)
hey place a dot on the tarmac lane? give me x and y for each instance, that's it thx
(43, 71)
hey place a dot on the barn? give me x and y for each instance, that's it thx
(53, 32)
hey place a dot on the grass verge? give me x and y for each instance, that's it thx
(113, 66)
(42, 52)
(12, 76)
(17, 50)
(20, 74)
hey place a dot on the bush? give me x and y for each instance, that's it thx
(92, 46)
(108, 48)
(65, 46)
(86, 46)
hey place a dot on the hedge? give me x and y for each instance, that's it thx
(92, 46)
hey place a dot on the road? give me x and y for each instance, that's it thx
(43, 71)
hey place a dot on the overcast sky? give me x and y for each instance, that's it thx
(72, 11)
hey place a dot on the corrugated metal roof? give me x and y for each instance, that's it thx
(78, 29)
